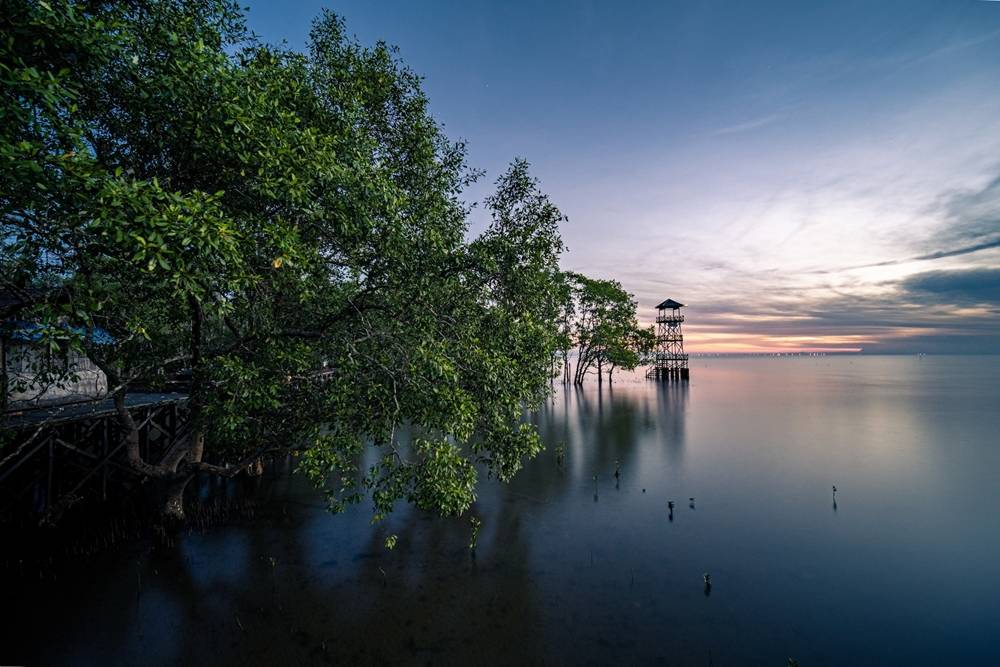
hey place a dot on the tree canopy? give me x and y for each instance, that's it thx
(599, 319)
(285, 227)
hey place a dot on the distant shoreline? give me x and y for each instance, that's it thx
(846, 353)
(710, 355)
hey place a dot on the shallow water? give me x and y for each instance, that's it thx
(900, 568)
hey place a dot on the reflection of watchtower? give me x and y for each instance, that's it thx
(670, 363)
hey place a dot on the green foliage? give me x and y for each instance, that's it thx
(599, 317)
(288, 228)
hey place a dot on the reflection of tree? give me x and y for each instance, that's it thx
(333, 594)
(273, 593)
(608, 425)
(604, 425)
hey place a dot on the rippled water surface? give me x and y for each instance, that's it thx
(902, 567)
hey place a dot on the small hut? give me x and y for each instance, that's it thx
(34, 373)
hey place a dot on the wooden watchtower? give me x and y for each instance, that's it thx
(670, 362)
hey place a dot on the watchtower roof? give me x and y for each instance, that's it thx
(669, 303)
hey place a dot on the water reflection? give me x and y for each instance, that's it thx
(575, 564)
(607, 429)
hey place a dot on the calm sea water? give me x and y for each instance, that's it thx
(902, 567)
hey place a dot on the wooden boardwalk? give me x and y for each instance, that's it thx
(62, 412)
(53, 456)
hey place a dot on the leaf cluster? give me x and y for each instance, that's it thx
(284, 230)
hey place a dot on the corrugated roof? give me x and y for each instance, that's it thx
(669, 303)
(32, 332)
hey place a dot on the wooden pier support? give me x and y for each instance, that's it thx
(52, 457)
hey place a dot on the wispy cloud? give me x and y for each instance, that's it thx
(747, 126)
(952, 47)
(937, 254)
(971, 215)
(893, 304)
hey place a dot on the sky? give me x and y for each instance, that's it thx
(805, 176)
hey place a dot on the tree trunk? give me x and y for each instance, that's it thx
(170, 473)
(173, 499)
(582, 362)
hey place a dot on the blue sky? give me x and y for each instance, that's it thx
(805, 175)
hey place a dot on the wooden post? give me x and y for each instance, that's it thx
(3, 374)
(105, 425)
(48, 481)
